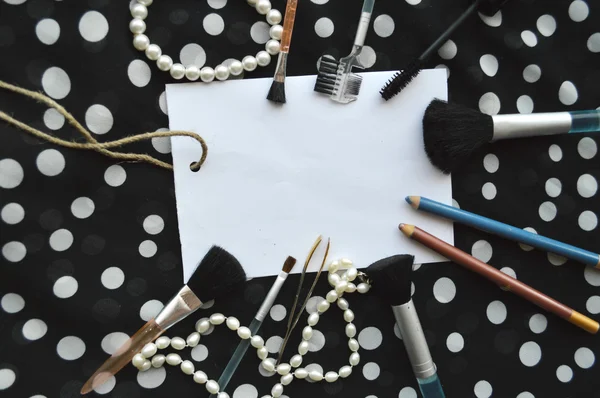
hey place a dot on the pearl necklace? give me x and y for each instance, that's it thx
(341, 284)
(141, 42)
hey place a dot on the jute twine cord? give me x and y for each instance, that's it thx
(92, 143)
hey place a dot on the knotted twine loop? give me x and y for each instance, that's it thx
(92, 144)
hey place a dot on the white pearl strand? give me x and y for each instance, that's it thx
(141, 42)
(341, 284)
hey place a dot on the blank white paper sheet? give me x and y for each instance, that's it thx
(277, 176)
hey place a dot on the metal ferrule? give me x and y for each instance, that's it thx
(414, 340)
(181, 305)
(529, 125)
(363, 28)
(281, 66)
(271, 296)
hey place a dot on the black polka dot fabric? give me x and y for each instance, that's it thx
(90, 248)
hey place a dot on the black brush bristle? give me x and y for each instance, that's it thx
(491, 7)
(353, 85)
(452, 133)
(218, 273)
(277, 92)
(401, 79)
(327, 76)
(391, 278)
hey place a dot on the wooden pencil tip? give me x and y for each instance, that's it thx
(407, 229)
(414, 201)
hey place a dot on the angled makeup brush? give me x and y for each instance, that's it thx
(391, 281)
(452, 132)
(402, 79)
(256, 323)
(218, 273)
(277, 90)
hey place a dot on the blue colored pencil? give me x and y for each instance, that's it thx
(504, 230)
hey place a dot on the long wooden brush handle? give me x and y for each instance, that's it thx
(288, 25)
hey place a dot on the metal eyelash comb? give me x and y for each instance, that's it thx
(335, 78)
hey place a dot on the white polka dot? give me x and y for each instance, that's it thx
(371, 371)
(553, 187)
(592, 275)
(493, 21)
(14, 251)
(113, 341)
(588, 221)
(15, 2)
(491, 163)
(61, 240)
(65, 287)
(53, 119)
(587, 148)
(260, 32)
(316, 342)
(455, 342)
(324, 27)
(555, 259)
(587, 186)
(12, 303)
(278, 312)
(273, 344)
(112, 278)
(442, 66)
(208, 304)
(532, 73)
(525, 247)
(47, 31)
(593, 305)
(489, 103)
(217, 4)
(455, 203)
(50, 162)
(12, 213)
(367, 57)
(93, 26)
(319, 2)
(11, 173)
(245, 391)
(384, 25)
(407, 392)
(56, 82)
(567, 93)
(213, 24)
(147, 248)
(139, 73)
(152, 378)
(413, 2)
(153, 224)
(397, 331)
(525, 394)
(199, 353)
(70, 348)
(483, 389)
(593, 43)
(7, 376)
(448, 50)
(524, 104)
(489, 64)
(162, 144)
(444, 290)
(99, 119)
(547, 211)
(488, 191)
(370, 338)
(529, 38)
(496, 312)
(578, 10)
(555, 153)
(482, 250)
(546, 24)
(530, 353)
(34, 329)
(311, 305)
(193, 54)
(82, 207)
(115, 175)
(584, 358)
(538, 323)
(150, 309)
(564, 373)
(162, 103)
(509, 271)
(107, 386)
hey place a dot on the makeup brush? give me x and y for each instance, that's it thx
(402, 79)
(391, 281)
(256, 323)
(218, 273)
(277, 90)
(452, 132)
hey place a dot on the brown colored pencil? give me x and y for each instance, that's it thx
(500, 278)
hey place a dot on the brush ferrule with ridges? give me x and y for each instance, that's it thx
(184, 303)
(529, 125)
(271, 296)
(363, 28)
(281, 67)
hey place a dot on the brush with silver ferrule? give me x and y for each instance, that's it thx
(218, 274)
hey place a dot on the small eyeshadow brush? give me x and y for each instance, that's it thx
(277, 90)
(218, 274)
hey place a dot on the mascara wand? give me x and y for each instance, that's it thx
(277, 90)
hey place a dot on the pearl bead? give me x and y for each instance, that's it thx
(296, 361)
(313, 319)
(301, 373)
(164, 62)
(244, 333)
(284, 369)
(323, 306)
(276, 32)
(262, 353)
(207, 74)
(351, 274)
(363, 288)
(192, 72)
(145, 2)
(263, 7)
(331, 377)
(221, 72)
(145, 366)
(341, 286)
(233, 323)
(200, 377)
(138, 360)
(177, 71)
(257, 342)
(137, 26)
(141, 42)
(163, 342)
(354, 359)
(139, 11)
(315, 375)
(345, 371)
(346, 263)
(303, 348)
(286, 379)
(351, 288)
(273, 17)
(193, 339)
(149, 350)
(350, 330)
(333, 279)
(348, 315)
(353, 345)
(268, 365)
(263, 58)
(343, 304)
(236, 68)
(277, 390)
(173, 359)
(178, 343)
(331, 296)
(187, 367)
(158, 361)
(223, 394)
(202, 325)
(217, 319)
(273, 47)
(307, 333)
(249, 63)
(212, 386)
(335, 265)
(153, 52)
